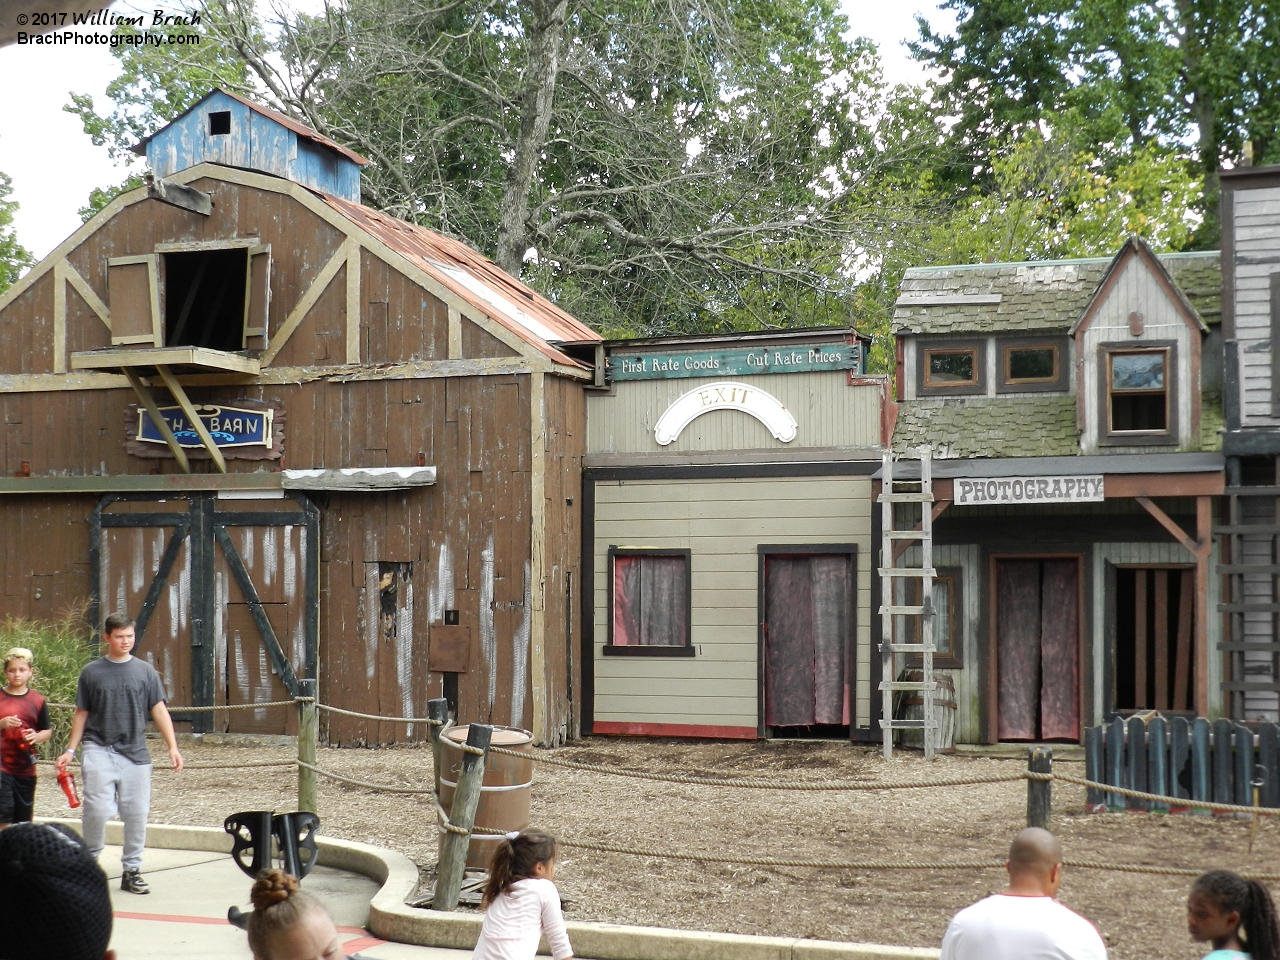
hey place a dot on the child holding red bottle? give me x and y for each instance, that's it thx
(24, 725)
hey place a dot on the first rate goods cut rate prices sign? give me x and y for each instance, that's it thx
(735, 363)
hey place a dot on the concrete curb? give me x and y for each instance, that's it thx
(391, 919)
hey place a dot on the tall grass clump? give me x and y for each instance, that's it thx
(62, 647)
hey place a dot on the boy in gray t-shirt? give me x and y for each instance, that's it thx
(115, 696)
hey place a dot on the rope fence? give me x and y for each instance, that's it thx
(749, 783)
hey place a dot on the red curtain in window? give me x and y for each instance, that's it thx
(650, 601)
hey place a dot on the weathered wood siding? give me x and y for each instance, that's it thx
(1138, 290)
(1255, 226)
(721, 522)
(829, 412)
(562, 548)
(466, 543)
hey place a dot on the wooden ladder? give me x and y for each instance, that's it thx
(893, 613)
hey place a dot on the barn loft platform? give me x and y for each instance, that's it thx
(146, 360)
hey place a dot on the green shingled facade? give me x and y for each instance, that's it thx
(1048, 296)
(1024, 426)
(1040, 297)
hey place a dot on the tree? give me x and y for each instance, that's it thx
(683, 166)
(14, 258)
(1135, 74)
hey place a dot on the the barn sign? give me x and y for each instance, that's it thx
(228, 426)
(1073, 489)
(243, 429)
(735, 363)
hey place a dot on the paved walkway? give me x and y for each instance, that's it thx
(185, 915)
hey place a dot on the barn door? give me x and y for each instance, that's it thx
(807, 631)
(226, 597)
(143, 557)
(1037, 649)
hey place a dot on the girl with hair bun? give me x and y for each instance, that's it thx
(1234, 914)
(288, 923)
(520, 901)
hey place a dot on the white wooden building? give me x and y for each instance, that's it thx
(728, 528)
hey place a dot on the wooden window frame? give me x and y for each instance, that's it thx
(249, 329)
(954, 660)
(926, 347)
(1056, 384)
(1132, 438)
(641, 650)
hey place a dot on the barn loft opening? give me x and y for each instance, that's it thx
(204, 299)
(219, 123)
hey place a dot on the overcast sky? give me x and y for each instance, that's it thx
(54, 165)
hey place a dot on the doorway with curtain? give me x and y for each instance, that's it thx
(807, 626)
(1036, 654)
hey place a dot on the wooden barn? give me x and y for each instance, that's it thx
(297, 438)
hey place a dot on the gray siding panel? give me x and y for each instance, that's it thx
(722, 522)
(828, 411)
(1256, 232)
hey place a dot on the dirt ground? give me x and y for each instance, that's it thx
(1140, 916)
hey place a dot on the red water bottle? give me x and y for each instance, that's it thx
(67, 781)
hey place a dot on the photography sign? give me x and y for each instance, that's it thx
(1009, 490)
(669, 365)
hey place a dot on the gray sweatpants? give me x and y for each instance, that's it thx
(111, 783)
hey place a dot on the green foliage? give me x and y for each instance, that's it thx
(62, 648)
(14, 258)
(156, 84)
(99, 197)
(1132, 74)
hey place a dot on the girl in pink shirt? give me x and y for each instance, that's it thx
(520, 902)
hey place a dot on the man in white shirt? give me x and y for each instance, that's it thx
(1025, 923)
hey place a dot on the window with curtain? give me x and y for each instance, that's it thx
(649, 601)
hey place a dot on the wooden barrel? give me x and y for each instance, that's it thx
(505, 793)
(910, 706)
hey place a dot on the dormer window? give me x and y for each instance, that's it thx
(951, 368)
(1137, 387)
(1031, 364)
(219, 123)
(946, 367)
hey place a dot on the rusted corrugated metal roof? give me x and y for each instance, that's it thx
(476, 279)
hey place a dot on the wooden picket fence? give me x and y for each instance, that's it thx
(1183, 757)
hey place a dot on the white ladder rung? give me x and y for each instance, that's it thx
(908, 572)
(902, 611)
(909, 648)
(905, 534)
(907, 725)
(907, 685)
(923, 497)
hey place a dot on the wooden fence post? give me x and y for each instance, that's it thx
(1201, 765)
(1223, 733)
(1158, 763)
(1040, 792)
(1115, 762)
(308, 736)
(1137, 756)
(462, 814)
(437, 710)
(1094, 769)
(1244, 764)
